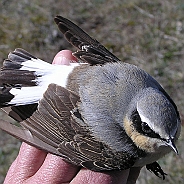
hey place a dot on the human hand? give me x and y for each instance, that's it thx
(36, 166)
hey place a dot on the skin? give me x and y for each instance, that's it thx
(36, 166)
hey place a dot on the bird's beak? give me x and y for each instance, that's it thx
(170, 142)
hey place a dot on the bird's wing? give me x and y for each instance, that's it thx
(58, 127)
(90, 50)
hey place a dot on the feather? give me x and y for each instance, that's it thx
(54, 124)
(80, 39)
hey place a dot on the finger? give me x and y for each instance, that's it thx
(30, 159)
(86, 176)
(133, 175)
(54, 170)
(27, 163)
(10, 174)
(64, 57)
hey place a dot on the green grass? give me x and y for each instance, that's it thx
(146, 33)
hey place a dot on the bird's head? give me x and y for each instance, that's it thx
(152, 122)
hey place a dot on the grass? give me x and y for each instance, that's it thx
(146, 33)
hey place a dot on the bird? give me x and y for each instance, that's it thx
(100, 113)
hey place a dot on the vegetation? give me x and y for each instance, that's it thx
(149, 34)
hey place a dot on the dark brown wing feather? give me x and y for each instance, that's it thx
(57, 127)
(91, 50)
(20, 113)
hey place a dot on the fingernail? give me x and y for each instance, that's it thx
(64, 57)
(61, 60)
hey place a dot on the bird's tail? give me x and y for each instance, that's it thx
(19, 79)
(21, 83)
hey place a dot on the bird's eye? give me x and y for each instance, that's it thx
(145, 127)
(142, 127)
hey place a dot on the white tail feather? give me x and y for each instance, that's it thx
(45, 74)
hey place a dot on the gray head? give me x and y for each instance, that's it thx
(152, 121)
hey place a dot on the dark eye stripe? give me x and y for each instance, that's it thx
(142, 127)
